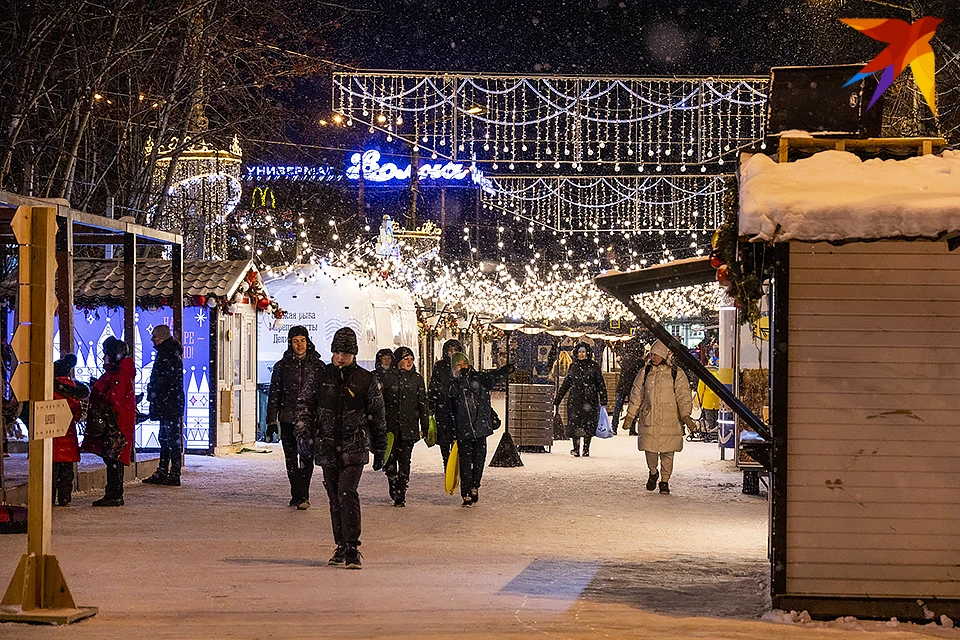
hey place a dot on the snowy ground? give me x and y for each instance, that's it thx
(561, 548)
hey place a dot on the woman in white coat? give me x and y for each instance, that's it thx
(661, 398)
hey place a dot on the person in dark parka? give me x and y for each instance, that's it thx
(437, 397)
(345, 414)
(408, 419)
(588, 392)
(294, 375)
(167, 398)
(632, 364)
(382, 363)
(468, 401)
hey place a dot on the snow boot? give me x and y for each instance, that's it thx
(351, 558)
(652, 481)
(303, 506)
(338, 555)
(586, 448)
(664, 487)
(171, 480)
(108, 502)
(474, 496)
(400, 501)
(467, 501)
(158, 477)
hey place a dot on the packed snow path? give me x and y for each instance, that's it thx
(561, 548)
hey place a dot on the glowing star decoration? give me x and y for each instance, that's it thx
(909, 44)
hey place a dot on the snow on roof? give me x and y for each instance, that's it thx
(835, 196)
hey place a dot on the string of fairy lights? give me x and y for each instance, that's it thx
(560, 122)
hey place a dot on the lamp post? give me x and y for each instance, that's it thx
(506, 454)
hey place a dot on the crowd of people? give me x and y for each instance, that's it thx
(337, 415)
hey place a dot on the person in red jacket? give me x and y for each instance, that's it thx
(66, 451)
(113, 392)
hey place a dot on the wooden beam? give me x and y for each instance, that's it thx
(176, 268)
(65, 283)
(779, 381)
(130, 291)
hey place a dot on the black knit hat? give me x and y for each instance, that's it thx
(298, 330)
(345, 341)
(401, 353)
(62, 366)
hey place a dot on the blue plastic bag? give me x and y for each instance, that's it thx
(604, 430)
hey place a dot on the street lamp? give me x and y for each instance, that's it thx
(506, 454)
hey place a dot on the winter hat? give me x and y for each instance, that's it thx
(161, 332)
(401, 353)
(62, 366)
(585, 347)
(452, 343)
(457, 358)
(114, 350)
(345, 341)
(660, 349)
(298, 330)
(382, 353)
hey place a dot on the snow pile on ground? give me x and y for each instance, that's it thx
(850, 623)
(836, 196)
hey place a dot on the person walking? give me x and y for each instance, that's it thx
(382, 363)
(588, 392)
(66, 449)
(345, 412)
(468, 401)
(440, 381)
(408, 419)
(166, 397)
(296, 374)
(634, 359)
(661, 399)
(113, 404)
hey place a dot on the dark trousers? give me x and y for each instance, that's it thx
(62, 482)
(473, 455)
(171, 446)
(114, 488)
(398, 467)
(299, 468)
(341, 485)
(586, 444)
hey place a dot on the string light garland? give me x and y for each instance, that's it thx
(560, 122)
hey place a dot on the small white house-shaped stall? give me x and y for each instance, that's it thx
(866, 361)
(221, 303)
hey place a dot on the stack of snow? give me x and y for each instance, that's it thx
(835, 196)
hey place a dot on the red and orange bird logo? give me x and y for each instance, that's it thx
(909, 44)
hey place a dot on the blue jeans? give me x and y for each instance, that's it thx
(171, 445)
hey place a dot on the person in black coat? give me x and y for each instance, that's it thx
(468, 402)
(440, 381)
(382, 363)
(294, 375)
(408, 419)
(167, 399)
(344, 415)
(588, 392)
(634, 360)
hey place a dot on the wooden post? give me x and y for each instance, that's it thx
(65, 283)
(177, 303)
(38, 591)
(130, 291)
(779, 380)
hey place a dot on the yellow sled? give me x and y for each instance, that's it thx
(453, 470)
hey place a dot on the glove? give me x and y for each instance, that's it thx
(378, 461)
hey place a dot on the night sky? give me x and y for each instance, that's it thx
(620, 37)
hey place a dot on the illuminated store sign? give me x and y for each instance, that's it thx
(322, 173)
(376, 172)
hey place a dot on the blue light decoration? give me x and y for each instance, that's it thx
(375, 171)
(93, 326)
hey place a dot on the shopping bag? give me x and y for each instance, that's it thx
(604, 430)
(432, 432)
(391, 437)
(453, 469)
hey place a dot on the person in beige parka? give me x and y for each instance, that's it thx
(661, 398)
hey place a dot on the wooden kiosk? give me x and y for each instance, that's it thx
(863, 446)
